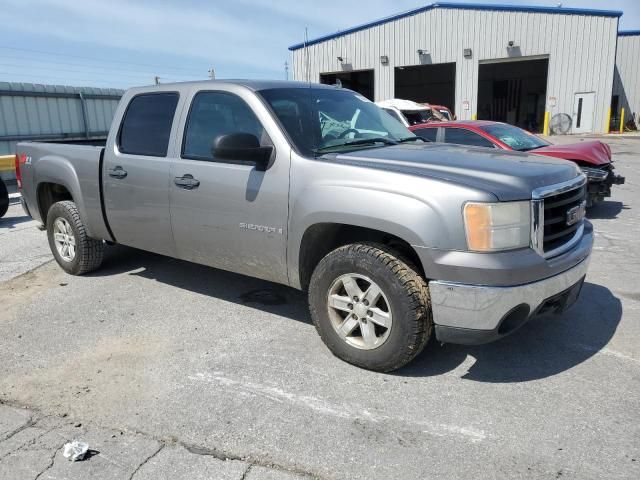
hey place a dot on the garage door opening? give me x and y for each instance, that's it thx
(359, 81)
(513, 92)
(435, 84)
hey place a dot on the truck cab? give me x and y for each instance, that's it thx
(397, 240)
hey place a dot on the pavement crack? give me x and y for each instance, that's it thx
(146, 461)
(26, 425)
(211, 452)
(52, 461)
(246, 472)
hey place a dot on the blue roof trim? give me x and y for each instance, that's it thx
(628, 33)
(462, 6)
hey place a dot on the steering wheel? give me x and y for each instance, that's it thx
(348, 131)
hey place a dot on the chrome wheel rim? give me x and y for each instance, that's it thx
(359, 311)
(64, 239)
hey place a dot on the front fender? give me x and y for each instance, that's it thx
(412, 219)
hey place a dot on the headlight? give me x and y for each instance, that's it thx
(497, 226)
(594, 174)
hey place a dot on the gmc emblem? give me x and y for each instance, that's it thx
(575, 214)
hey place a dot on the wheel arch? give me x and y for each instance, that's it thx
(56, 179)
(49, 193)
(321, 238)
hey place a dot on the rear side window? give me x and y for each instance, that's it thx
(427, 133)
(147, 124)
(461, 136)
(217, 113)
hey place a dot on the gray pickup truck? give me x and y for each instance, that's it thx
(396, 240)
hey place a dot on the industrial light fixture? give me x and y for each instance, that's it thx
(511, 44)
(341, 59)
(467, 53)
(384, 60)
(422, 52)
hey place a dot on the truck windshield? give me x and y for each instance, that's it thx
(321, 120)
(515, 137)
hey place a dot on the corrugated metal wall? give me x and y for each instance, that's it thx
(581, 51)
(627, 78)
(30, 111)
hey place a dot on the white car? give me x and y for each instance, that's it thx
(409, 112)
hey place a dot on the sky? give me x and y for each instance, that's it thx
(119, 43)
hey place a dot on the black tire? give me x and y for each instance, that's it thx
(4, 199)
(407, 294)
(89, 252)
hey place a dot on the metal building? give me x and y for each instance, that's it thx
(506, 63)
(53, 112)
(626, 81)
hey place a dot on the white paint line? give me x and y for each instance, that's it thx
(608, 352)
(321, 406)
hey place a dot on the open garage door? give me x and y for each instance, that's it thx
(433, 83)
(514, 92)
(360, 81)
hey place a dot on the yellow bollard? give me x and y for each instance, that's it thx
(545, 129)
(622, 120)
(474, 116)
(607, 127)
(7, 163)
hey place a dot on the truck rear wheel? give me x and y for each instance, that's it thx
(72, 248)
(370, 307)
(4, 199)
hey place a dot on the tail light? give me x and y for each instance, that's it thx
(20, 158)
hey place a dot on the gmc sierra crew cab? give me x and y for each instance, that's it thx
(396, 239)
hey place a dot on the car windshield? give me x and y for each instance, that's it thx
(416, 117)
(322, 120)
(515, 137)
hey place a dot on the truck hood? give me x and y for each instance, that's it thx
(506, 174)
(593, 152)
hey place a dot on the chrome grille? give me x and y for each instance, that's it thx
(557, 231)
(557, 216)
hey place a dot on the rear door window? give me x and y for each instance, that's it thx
(461, 136)
(146, 125)
(430, 134)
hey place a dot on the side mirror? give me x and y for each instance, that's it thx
(243, 147)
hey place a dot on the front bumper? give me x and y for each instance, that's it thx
(474, 314)
(600, 182)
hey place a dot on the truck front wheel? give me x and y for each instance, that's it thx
(72, 248)
(370, 307)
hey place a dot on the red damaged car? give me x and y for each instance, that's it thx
(593, 157)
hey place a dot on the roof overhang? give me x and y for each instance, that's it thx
(462, 6)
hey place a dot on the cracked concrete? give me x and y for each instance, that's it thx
(33, 450)
(165, 366)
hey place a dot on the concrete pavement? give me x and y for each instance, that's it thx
(31, 446)
(201, 361)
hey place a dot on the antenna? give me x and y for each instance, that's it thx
(156, 80)
(306, 53)
(286, 70)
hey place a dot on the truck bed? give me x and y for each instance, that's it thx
(77, 167)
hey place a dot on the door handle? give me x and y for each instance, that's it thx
(187, 182)
(117, 172)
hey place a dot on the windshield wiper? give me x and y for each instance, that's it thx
(362, 141)
(412, 139)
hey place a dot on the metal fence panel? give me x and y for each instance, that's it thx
(53, 112)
